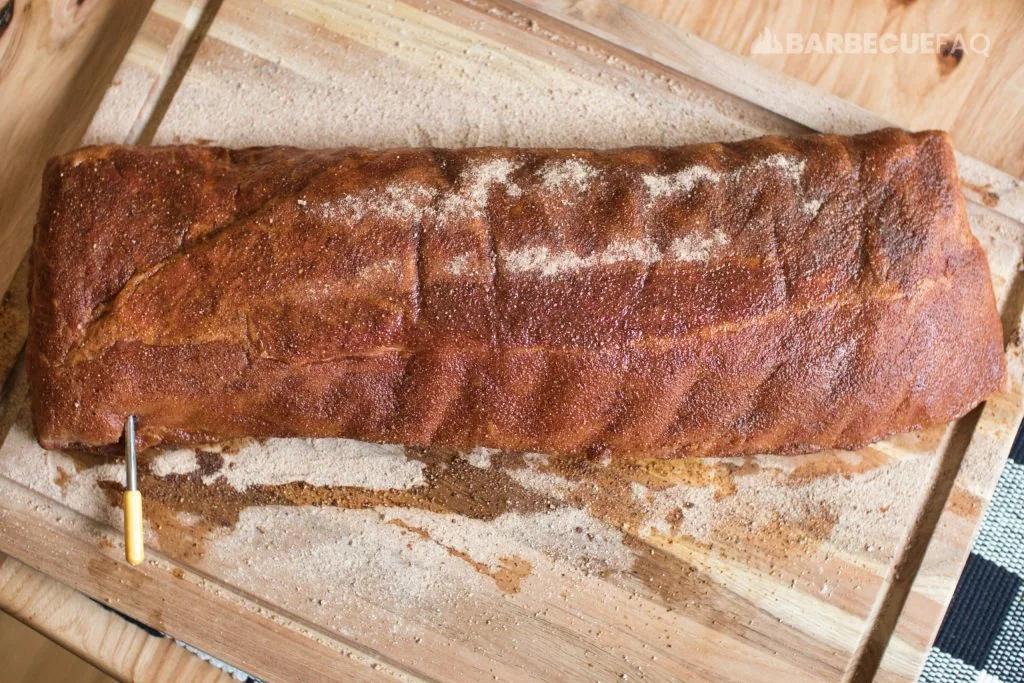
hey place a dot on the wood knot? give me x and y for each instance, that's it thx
(6, 15)
(950, 54)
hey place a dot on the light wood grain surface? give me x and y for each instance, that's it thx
(979, 98)
(303, 73)
(56, 60)
(109, 642)
(422, 580)
(28, 656)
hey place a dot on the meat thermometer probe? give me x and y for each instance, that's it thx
(134, 550)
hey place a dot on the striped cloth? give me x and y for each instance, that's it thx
(982, 635)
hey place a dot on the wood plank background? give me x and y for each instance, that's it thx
(80, 625)
(978, 98)
(171, 41)
(29, 657)
(56, 60)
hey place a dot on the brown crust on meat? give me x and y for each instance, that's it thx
(772, 295)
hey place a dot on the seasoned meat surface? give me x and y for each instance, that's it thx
(772, 295)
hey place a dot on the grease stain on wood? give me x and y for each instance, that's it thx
(62, 479)
(864, 460)
(964, 503)
(507, 577)
(988, 197)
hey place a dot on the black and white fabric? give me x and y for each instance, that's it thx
(982, 635)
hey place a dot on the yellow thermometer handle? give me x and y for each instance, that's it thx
(134, 550)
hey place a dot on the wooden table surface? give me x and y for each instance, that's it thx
(979, 99)
(57, 58)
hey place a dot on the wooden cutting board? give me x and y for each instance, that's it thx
(296, 559)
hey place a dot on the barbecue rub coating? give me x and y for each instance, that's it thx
(781, 294)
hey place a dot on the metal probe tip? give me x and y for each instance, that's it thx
(131, 471)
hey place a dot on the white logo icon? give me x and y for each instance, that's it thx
(766, 44)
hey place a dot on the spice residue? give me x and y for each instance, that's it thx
(402, 526)
(506, 577)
